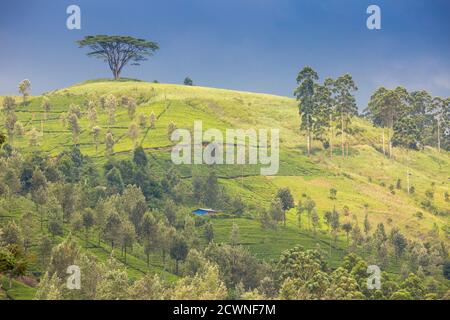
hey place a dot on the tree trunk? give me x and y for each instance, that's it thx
(148, 260)
(407, 180)
(164, 259)
(331, 237)
(384, 149)
(10, 138)
(308, 143)
(41, 216)
(391, 129)
(439, 135)
(331, 137)
(176, 267)
(408, 188)
(342, 135)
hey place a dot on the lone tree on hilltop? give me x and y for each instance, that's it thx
(118, 51)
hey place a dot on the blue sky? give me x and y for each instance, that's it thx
(252, 45)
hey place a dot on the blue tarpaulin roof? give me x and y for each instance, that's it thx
(202, 211)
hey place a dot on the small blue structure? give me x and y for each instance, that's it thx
(202, 212)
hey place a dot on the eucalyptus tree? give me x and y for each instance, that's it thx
(375, 112)
(24, 89)
(113, 228)
(446, 126)
(304, 93)
(178, 251)
(324, 113)
(109, 143)
(88, 222)
(385, 108)
(438, 110)
(417, 111)
(367, 225)
(133, 133)
(328, 217)
(329, 102)
(143, 121)
(310, 207)
(209, 232)
(9, 108)
(276, 210)
(166, 237)
(74, 127)
(92, 115)
(19, 129)
(345, 105)
(46, 106)
(287, 201)
(335, 224)
(149, 235)
(95, 131)
(127, 237)
(9, 105)
(10, 124)
(347, 227)
(315, 221)
(110, 105)
(152, 120)
(33, 136)
(300, 209)
(131, 108)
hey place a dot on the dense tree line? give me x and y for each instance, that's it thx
(412, 119)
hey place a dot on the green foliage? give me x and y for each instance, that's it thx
(179, 250)
(188, 81)
(139, 157)
(446, 270)
(209, 232)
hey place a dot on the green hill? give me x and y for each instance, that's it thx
(362, 180)
(358, 179)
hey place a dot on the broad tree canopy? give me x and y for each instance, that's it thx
(118, 51)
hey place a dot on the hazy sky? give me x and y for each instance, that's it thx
(252, 45)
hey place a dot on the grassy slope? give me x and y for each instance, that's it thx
(223, 109)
